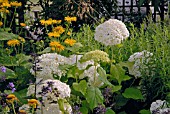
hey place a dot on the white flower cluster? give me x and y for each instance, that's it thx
(159, 107)
(62, 90)
(50, 65)
(140, 59)
(111, 32)
(50, 91)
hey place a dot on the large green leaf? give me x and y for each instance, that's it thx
(133, 93)
(116, 88)
(83, 110)
(81, 86)
(103, 76)
(94, 97)
(118, 73)
(21, 95)
(7, 36)
(9, 74)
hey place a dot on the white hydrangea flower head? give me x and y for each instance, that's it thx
(159, 107)
(111, 32)
(58, 90)
(50, 65)
(140, 60)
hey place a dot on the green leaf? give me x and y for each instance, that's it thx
(144, 112)
(83, 110)
(120, 100)
(133, 93)
(7, 36)
(118, 73)
(74, 72)
(21, 95)
(46, 50)
(61, 104)
(8, 61)
(94, 97)
(103, 76)
(81, 86)
(22, 60)
(9, 74)
(110, 111)
(116, 88)
(75, 48)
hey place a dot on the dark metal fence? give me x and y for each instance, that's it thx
(130, 10)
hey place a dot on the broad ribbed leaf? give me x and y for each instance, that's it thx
(133, 93)
(81, 86)
(94, 97)
(118, 73)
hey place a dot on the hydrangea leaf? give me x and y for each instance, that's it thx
(103, 76)
(83, 110)
(116, 88)
(94, 97)
(118, 73)
(133, 93)
(81, 86)
(21, 95)
(110, 111)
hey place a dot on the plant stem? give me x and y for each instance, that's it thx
(13, 108)
(32, 110)
(12, 18)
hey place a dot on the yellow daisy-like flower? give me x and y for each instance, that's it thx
(23, 24)
(11, 98)
(70, 42)
(4, 10)
(70, 19)
(69, 33)
(6, 4)
(60, 47)
(22, 112)
(43, 22)
(53, 48)
(58, 21)
(13, 42)
(21, 39)
(16, 4)
(1, 23)
(3, 1)
(59, 29)
(53, 34)
(33, 103)
(54, 44)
